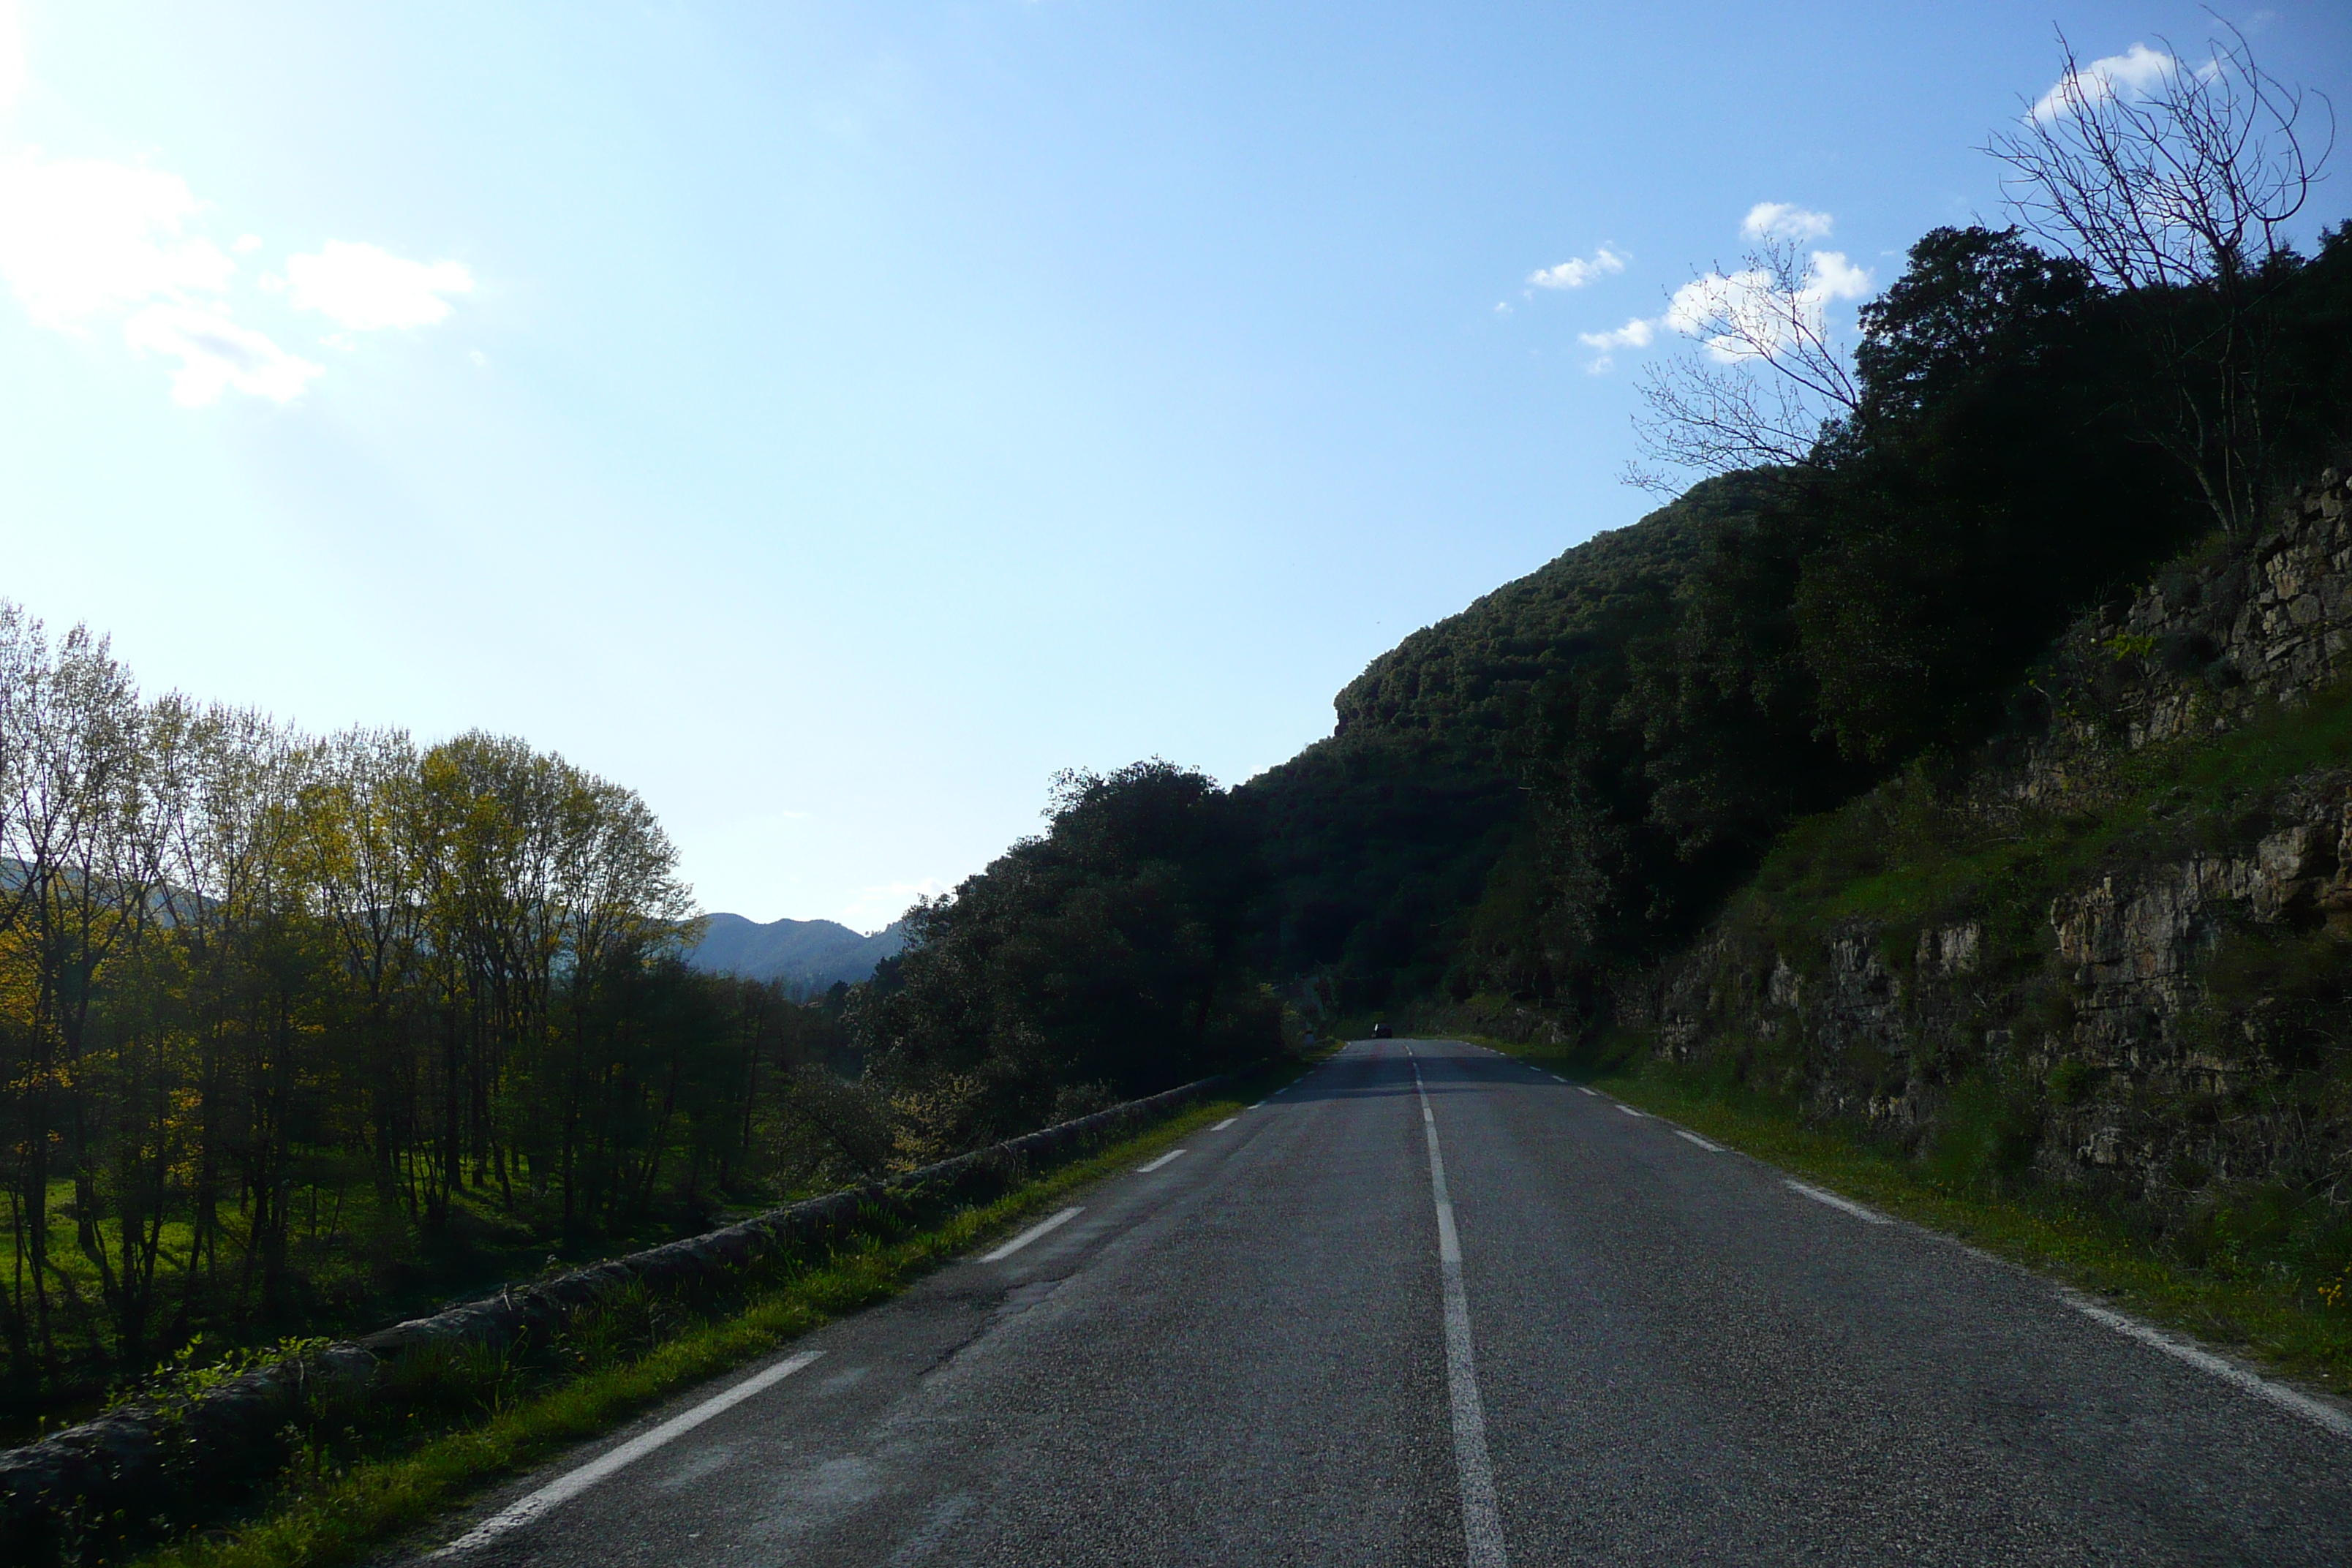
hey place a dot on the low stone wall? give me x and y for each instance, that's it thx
(139, 1461)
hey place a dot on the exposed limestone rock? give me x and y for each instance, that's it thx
(2113, 1008)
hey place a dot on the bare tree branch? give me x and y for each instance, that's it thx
(1771, 375)
(2175, 189)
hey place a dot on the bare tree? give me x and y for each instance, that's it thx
(1770, 376)
(2174, 183)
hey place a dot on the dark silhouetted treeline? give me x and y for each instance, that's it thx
(1104, 960)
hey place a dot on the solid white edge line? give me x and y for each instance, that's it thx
(1710, 1148)
(563, 1488)
(2303, 1404)
(1867, 1217)
(1147, 1169)
(1050, 1223)
(1228, 1122)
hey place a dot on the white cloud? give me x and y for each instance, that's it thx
(1501, 307)
(1579, 271)
(1836, 277)
(1783, 220)
(1739, 314)
(81, 235)
(363, 287)
(14, 75)
(1636, 333)
(2136, 70)
(215, 354)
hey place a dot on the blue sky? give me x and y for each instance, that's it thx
(830, 419)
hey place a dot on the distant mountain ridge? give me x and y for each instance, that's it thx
(807, 955)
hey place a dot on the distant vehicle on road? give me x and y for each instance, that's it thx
(1383, 1032)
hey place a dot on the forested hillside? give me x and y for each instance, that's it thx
(1570, 776)
(1381, 839)
(806, 957)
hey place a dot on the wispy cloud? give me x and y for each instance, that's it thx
(1782, 220)
(217, 355)
(364, 288)
(79, 235)
(83, 239)
(2136, 70)
(1579, 271)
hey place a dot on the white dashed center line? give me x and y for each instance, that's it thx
(1482, 1520)
(1053, 1222)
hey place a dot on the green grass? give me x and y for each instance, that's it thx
(322, 1513)
(2292, 1329)
(1905, 854)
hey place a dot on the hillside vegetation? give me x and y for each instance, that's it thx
(806, 957)
(1568, 778)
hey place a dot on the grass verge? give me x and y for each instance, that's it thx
(322, 1513)
(2291, 1329)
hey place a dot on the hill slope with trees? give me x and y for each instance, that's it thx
(805, 957)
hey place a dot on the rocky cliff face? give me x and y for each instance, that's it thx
(2150, 969)
(2204, 647)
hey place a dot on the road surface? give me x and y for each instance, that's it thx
(1433, 1306)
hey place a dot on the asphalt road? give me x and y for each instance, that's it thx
(1640, 1349)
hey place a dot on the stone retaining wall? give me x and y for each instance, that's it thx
(1871, 1024)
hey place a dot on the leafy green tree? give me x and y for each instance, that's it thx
(1108, 951)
